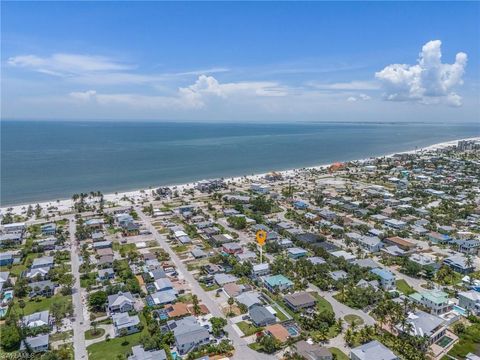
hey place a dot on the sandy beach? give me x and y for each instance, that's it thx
(65, 205)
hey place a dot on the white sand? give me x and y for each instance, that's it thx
(64, 206)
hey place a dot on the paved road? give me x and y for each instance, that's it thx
(242, 351)
(78, 308)
(340, 309)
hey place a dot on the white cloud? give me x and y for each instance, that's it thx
(197, 95)
(428, 82)
(347, 86)
(67, 64)
(207, 86)
(83, 95)
(97, 70)
(359, 97)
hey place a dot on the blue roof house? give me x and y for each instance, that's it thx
(387, 279)
(300, 205)
(277, 282)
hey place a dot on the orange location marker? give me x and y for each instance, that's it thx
(261, 236)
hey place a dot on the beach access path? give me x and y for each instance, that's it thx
(242, 351)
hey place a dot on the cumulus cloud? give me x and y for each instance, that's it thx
(429, 81)
(207, 86)
(359, 97)
(196, 95)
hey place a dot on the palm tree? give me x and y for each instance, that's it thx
(196, 306)
(230, 302)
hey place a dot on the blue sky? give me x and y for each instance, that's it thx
(262, 61)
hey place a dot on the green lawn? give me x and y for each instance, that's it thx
(89, 335)
(179, 248)
(280, 315)
(248, 329)
(403, 286)
(469, 343)
(351, 317)
(16, 270)
(61, 336)
(209, 288)
(33, 306)
(118, 346)
(322, 304)
(338, 353)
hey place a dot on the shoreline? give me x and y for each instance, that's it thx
(65, 205)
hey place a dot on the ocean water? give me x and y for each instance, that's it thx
(52, 160)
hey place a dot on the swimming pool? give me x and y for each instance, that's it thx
(292, 330)
(459, 310)
(8, 295)
(444, 341)
(3, 311)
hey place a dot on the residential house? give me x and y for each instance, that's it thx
(401, 243)
(260, 316)
(395, 224)
(249, 299)
(18, 227)
(426, 325)
(438, 238)
(349, 257)
(300, 300)
(387, 278)
(470, 301)
(188, 333)
(124, 324)
(102, 244)
(277, 282)
(370, 243)
(42, 262)
(121, 302)
(296, 253)
(139, 353)
(434, 300)
(373, 350)
(246, 256)
(38, 319)
(316, 260)
(312, 351)
(105, 274)
(11, 239)
(338, 275)
(259, 270)
(35, 344)
(41, 288)
(49, 229)
(278, 331)
(6, 258)
(222, 279)
(458, 263)
(232, 248)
